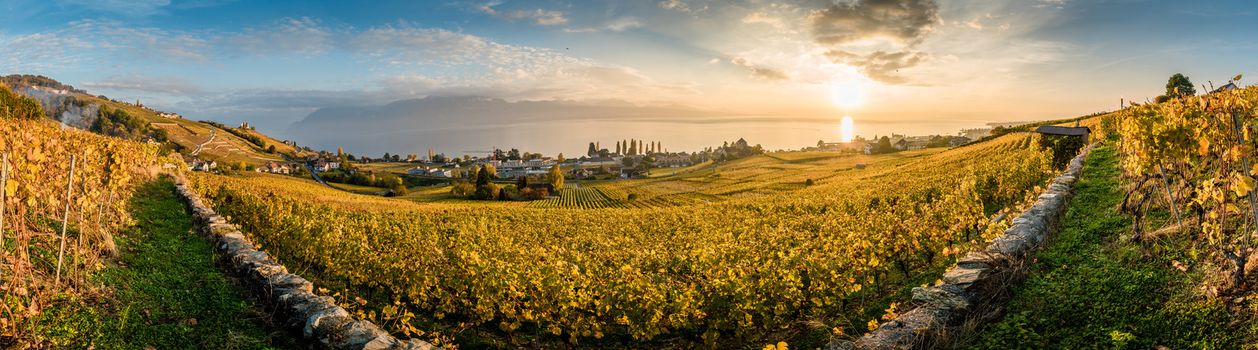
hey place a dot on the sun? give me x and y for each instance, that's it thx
(847, 93)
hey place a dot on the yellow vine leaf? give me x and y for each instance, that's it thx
(1243, 185)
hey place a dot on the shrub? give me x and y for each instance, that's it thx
(462, 189)
(486, 192)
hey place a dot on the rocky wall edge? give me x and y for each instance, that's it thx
(317, 319)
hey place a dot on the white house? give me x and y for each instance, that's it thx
(322, 166)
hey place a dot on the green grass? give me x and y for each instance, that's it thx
(164, 291)
(1092, 287)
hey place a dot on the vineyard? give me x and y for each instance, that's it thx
(740, 270)
(1193, 158)
(578, 198)
(53, 175)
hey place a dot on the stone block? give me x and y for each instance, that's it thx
(1009, 245)
(332, 314)
(416, 344)
(289, 281)
(355, 335)
(944, 297)
(963, 275)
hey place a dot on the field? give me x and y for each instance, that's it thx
(750, 177)
(709, 260)
(391, 167)
(579, 198)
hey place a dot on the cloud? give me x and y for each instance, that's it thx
(39, 51)
(539, 16)
(99, 40)
(1051, 3)
(619, 24)
(877, 37)
(289, 35)
(676, 5)
(137, 8)
(904, 22)
(167, 85)
(880, 65)
(760, 72)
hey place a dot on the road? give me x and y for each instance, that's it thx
(313, 174)
(202, 145)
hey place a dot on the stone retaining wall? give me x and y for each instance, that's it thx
(975, 290)
(317, 318)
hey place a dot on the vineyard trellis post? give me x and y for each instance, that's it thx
(65, 220)
(4, 187)
(1241, 256)
(1170, 199)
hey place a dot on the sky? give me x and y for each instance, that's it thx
(779, 73)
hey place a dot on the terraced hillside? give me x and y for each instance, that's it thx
(214, 142)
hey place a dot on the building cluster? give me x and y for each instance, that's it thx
(203, 165)
(519, 167)
(433, 171)
(276, 168)
(322, 165)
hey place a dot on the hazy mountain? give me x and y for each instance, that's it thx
(466, 122)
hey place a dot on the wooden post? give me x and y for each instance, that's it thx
(4, 185)
(65, 221)
(1170, 198)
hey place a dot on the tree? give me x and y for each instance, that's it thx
(514, 154)
(339, 151)
(269, 149)
(647, 163)
(560, 158)
(492, 170)
(618, 147)
(633, 147)
(387, 156)
(396, 190)
(487, 192)
(522, 182)
(482, 176)
(1179, 86)
(555, 176)
(884, 145)
(592, 151)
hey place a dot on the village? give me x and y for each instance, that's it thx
(394, 174)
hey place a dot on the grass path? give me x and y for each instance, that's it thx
(1094, 288)
(166, 291)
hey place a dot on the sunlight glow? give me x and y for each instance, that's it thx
(846, 129)
(847, 94)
